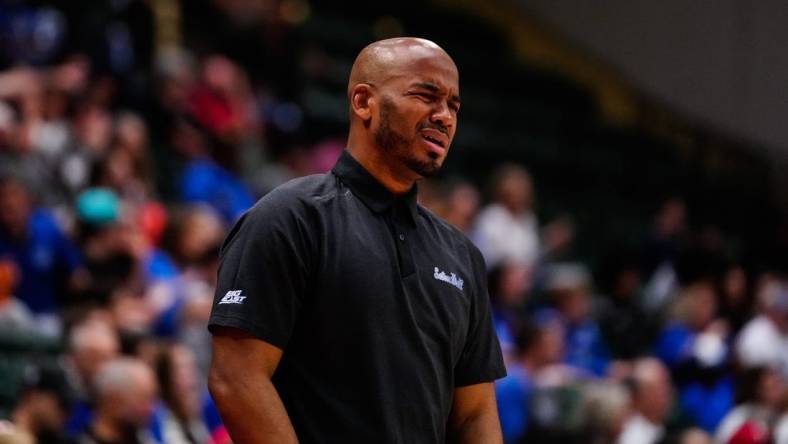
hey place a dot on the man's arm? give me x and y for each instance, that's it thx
(474, 416)
(240, 384)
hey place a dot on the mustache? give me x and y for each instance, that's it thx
(435, 126)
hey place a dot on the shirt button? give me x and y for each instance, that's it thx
(402, 237)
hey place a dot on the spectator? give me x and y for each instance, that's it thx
(508, 285)
(462, 205)
(762, 341)
(605, 410)
(668, 236)
(92, 344)
(695, 348)
(626, 326)
(43, 406)
(507, 228)
(652, 395)
(760, 393)
(125, 398)
(182, 390)
(735, 298)
(112, 246)
(203, 180)
(569, 288)
(540, 344)
(48, 261)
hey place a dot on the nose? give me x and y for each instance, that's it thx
(442, 114)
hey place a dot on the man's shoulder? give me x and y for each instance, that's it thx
(297, 194)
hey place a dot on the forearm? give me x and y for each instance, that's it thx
(480, 429)
(251, 409)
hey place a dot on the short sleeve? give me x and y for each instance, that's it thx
(481, 359)
(265, 265)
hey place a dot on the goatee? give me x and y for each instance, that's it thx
(397, 145)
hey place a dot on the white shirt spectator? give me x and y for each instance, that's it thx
(502, 236)
(639, 430)
(760, 343)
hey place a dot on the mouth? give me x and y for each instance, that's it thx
(436, 140)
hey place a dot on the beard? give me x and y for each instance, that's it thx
(398, 146)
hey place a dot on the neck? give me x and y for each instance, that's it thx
(380, 168)
(107, 430)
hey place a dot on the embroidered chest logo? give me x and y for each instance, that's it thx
(448, 278)
(233, 297)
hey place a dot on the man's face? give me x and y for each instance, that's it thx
(418, 115)
(15, 207)
(133, 407)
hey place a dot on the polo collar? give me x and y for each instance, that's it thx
(374, 195)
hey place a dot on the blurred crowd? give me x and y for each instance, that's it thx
(671, 340)
(123, 164)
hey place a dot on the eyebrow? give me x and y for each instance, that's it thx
(435, 89)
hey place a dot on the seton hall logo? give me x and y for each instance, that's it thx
(448, 278)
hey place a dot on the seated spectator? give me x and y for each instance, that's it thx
(204, 181)
(694, 345)
(569, 288)
(736, 304)
(652, 395)
(181, 391)
(508, 285)
(626, 326)
(112, 246)
(763, 341)
(47, 260)
(605, 410)
(507, 228)
(125, 399)
(759, 394)
(43, 405)
(461, 205)
(192, 240)
(91, 344)
(540, 344)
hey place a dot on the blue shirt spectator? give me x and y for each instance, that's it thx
(46, 259)
(513, 394)
(204, 181)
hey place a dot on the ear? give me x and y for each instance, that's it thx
(362, 101)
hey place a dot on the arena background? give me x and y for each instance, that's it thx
(638, 148)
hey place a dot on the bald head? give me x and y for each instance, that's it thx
(653, 389)
(380, 61)
(404, 99)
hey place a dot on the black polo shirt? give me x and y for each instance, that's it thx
(381, 308)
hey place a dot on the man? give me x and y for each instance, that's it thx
(126, 395)
(47, 260)
(92, 343)
(43, 405)
(540, 345)
(652, 395)
(344, 312)
(763, 341)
